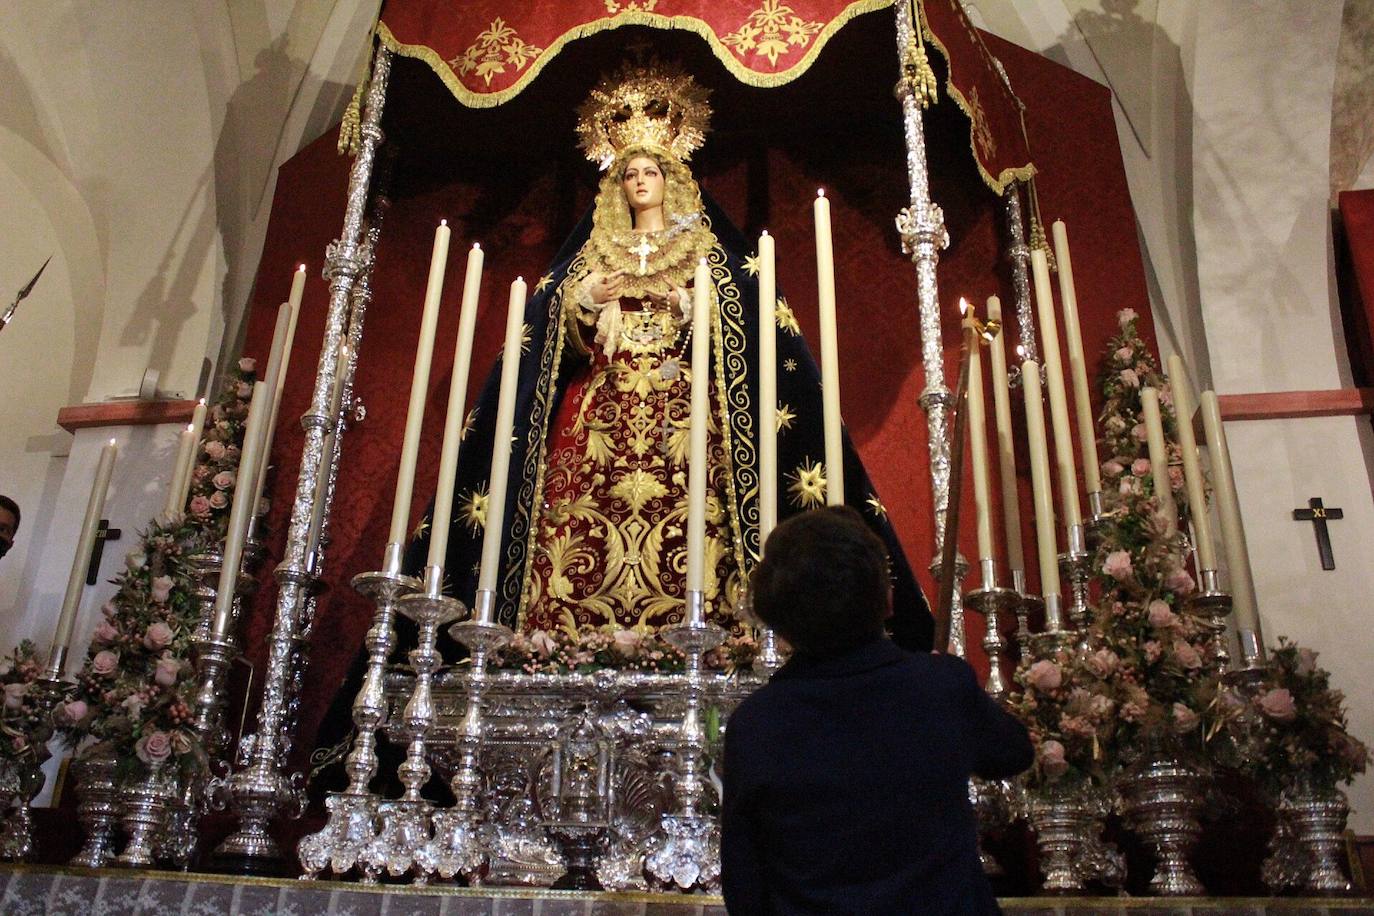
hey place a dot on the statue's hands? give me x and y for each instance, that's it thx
(604, 288)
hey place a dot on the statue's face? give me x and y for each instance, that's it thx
(642, 182)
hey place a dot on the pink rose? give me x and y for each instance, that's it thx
(1127, 486)
(135, 560)
(1175, 478)
(1125, 355)
(1278, 705)
(1139, 433)
(1152, 650)
(1117, 565)
(1102, 662)
(160, 589)
(231, 452)
(1179, 582)
(1140, 467)
(1185, 720)
(154, 747)
(201, 473)
(1076, 726)
(181, 742)
(1112, 468)
(1307, 662)
(626, 642)
(1125, 317)
(223, 480)
(248, 364)
(1044, 675)
(200, 506)
(214, 450)
(105, 662)
(543, 643)
(74, 711)
(158, 636)
(108, 609)
(1132, 711)
(1129, 378)
(14, 695)
(105, 632)
(167, 671)
(1187, 656)
(1052, 761)
(1160, 615)
(218, 500)
(243, 390)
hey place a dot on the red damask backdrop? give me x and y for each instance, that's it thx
(511, 178)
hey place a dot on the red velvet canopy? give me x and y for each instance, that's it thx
(511, 177)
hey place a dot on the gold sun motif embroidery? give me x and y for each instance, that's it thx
(808, 485)
(638, 488)
(494, 50)
(787, 319)
(878, 508)
(771, 31)
(420, 529)
(982, 132)
(544, 281)
(468, 423)
(751, 265)
(473, 509)
(790, 364)
(785, 416)
(526, 336)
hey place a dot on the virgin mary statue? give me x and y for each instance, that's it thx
(595, 519)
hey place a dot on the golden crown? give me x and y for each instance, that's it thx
(656, 105)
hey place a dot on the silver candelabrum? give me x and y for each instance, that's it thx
(690, 853)
(351, 823)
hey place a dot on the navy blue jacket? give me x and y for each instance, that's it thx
(846, 786)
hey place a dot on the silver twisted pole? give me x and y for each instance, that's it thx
(1018, 252)
(260, 790)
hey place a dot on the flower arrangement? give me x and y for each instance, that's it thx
(1299, 726)
(1069, 705)
(22, 729)
(561, 652)
(135, 689)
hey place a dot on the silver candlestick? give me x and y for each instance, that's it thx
(1076, 566)
(690, 854)
(770, 657)
(353, 812)
(990, 601)
(456, 847)
(1213, 605)
(405, 823)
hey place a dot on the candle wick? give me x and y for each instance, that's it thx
(820, 192)
(477, 245)
(443, 222)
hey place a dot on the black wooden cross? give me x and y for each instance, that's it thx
(102, 534)
(1318, 515)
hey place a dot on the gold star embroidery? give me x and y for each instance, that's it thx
(878, 508)
(785, 416)
(544, 281)
(420, 529)
(790, 364)
(751, 265)
(786, 319)
(468, 423)
(526, 335)
(808, 485)
(474, 509)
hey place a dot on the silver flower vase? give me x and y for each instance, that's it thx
(1059, 813)
(1161, 799)
(1306, 850)
(98, 811)
(144, 802)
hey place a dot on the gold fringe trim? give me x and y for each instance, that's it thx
(630, 17)
(999, 182)
(1037, 227)
(350, 128)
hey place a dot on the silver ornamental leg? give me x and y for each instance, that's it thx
(921, 225)
(260, 790)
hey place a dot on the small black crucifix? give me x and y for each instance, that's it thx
(102, 534)
(1318, 515)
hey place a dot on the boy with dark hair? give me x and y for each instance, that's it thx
(9, 523)
(846, 776)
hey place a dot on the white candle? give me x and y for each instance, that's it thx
(1059, 398)
(978, 443)
(701, 408)
(1078, 364)
(1159, 453)
(1048, 551)
(184, 474)
(240, 511)
(768, 391)
(830, 354)
(176, 497)
(457, 405)
(1193, 480)
(1241, 578)
(273, 376)
(1006, 443)
(312, 538)
(81, 562)
(505, 427)
(415, 413)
